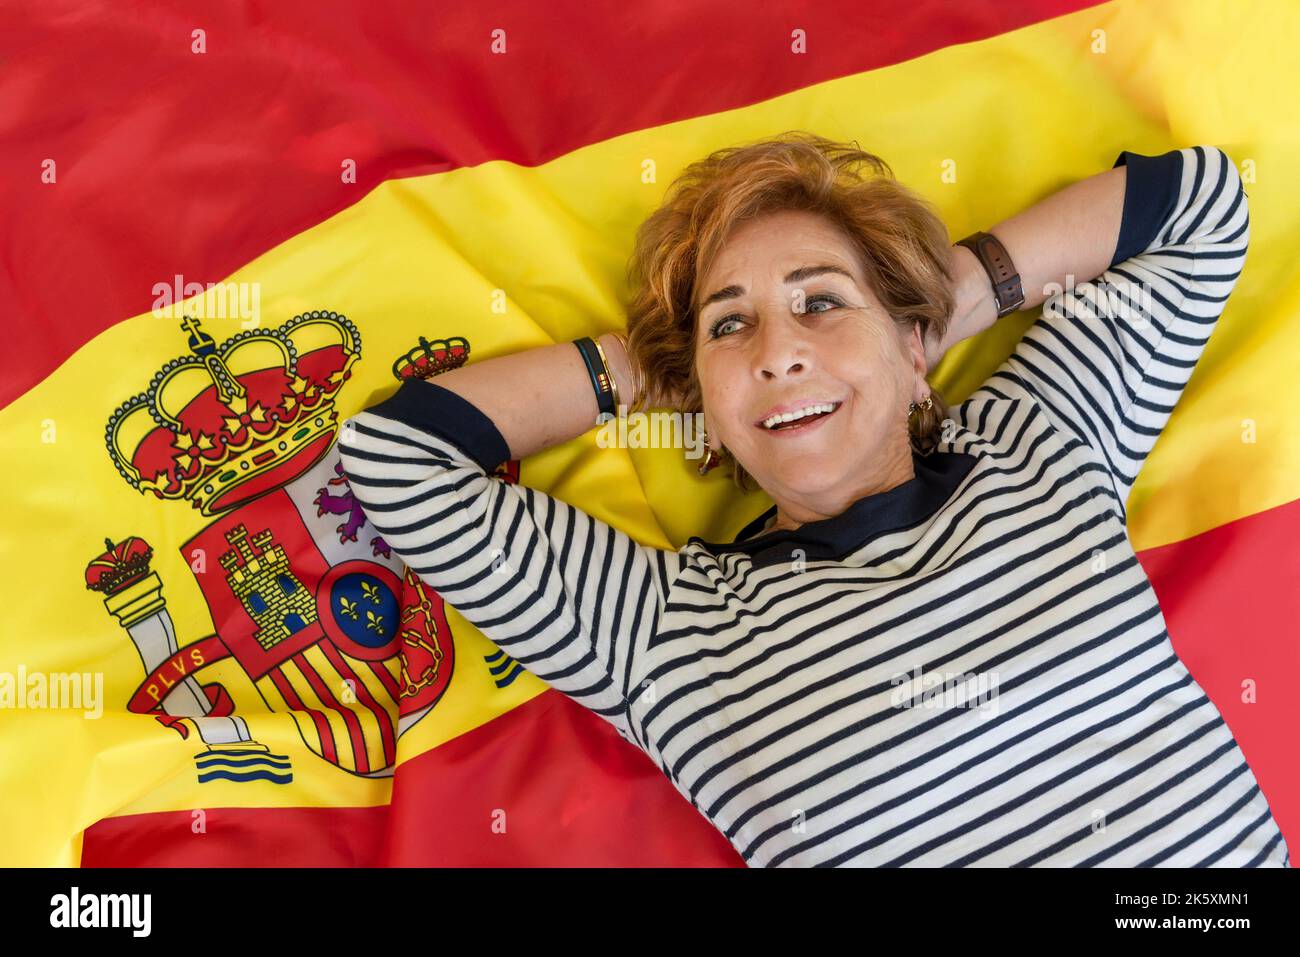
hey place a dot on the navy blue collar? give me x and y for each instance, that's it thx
(937, 476)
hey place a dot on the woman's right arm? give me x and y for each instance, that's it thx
(571, 598)
(539, 397)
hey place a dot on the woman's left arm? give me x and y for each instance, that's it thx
(1067, 238)
(1109, 357)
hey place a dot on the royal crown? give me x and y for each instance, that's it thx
(432, 357)
(230, 422)
(120, 565)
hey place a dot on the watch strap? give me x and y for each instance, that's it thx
(993, 256)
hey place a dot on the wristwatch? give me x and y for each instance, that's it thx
(995, 259)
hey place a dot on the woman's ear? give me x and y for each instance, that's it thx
(916, 345)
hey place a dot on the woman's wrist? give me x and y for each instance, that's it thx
(620, 367)
(976, 307)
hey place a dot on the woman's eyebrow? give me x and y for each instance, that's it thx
(798, 275)
(808, 272)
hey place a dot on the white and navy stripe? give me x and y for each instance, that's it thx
(763, 675)
(1109, 359)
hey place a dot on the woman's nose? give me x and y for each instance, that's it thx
(781, 351)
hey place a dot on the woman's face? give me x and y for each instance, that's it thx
(787, 321)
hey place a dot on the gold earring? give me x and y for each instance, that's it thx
(925, 406)
(711, 459)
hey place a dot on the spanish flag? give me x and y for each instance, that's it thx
(227, 230)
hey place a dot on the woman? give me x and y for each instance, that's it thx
(937, 647)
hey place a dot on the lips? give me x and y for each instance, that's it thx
(793, 409)
(802, 424)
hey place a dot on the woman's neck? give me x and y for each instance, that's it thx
(791, 514)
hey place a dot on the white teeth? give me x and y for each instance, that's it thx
(775, 420)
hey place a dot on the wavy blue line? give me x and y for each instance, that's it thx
(207, 762)
(506, 681)
(502, 667)
(245, 776)
(238, 752)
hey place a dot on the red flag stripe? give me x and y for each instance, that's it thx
(523, 766)
(173, 162)
(1230, 601)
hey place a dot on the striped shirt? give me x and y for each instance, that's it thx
(968, 669)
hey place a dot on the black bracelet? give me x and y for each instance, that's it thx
(601, 379)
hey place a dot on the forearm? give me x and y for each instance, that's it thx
(538, 397)
(1067, 238)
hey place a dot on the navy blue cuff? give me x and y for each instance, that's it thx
(1150, 195)
(425, 405)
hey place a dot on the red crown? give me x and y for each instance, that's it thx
(123, 564)
(230, 422)
(432, 358)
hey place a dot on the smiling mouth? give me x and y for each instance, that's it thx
(805, 420)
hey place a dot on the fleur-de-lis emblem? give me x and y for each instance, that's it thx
(347, 607)
(374, 623)
(371, 591)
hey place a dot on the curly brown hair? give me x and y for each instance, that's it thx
(902, 245)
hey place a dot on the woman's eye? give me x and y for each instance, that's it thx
(813, 300)
(831, 301)
(713, 330)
